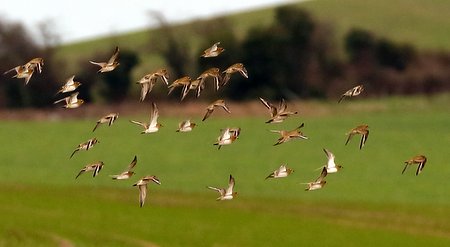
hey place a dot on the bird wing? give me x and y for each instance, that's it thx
(73, 98)
(96, 125)
(225, 78)
(101, 64)
(70, 81)
(142, 194)
(420, 167)
(225, 107)
(81, 172)
(115, 56)
(144, 125)
(243, 72)
(221, 191)
(350, 134)
(322, 176)
(230, 186)
(209, 110)
(144, 90)
(155, 180)
(273, 110)
(154, 115)
(341, 98)
(132, 164)
(97, 168)
(63, 99)
(283, 106)
(330, 156)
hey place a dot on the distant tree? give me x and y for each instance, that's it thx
(172, 47)
(285, 58)
(359, 45)
(390, 54)
(217, 30)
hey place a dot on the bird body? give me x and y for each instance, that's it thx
(180, 82)
(281, 172)
(277, 114)
(213, 51)
(110, 118)
(69, 86)
(228, 136)
(331, 165)
(95, 167)
(319, 183)
(85, 145)
(352, 92)
(186, 126)
(27, 70)
(288, 135)
(148, 81)
(72, 101)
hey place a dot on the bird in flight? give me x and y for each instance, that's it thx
(225, 194)
(331, 165)
(228, 136)
(213, 51)
(27, 70)
(212, 106)
(420, 160)
(69, 86)
(319, 182)
(72, 101)
(110, 118)
(111, 64)
(288, 135)
(186, 126)
(142, 186)
(363, 130)
(281, 172)
(148, 81)
(95, 167)
(128, 172)
(85, 145)
(237, 67)
(352, 92)
(180, 82)
(277, 114)
(153, 125)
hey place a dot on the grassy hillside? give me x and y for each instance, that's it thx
(368, 203)
(421, 23)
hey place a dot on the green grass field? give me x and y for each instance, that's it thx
(369, 203)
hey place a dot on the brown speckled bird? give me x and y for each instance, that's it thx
(111, 64)
(420, 160)
(363, 130)
(142, 186)
(212, 106)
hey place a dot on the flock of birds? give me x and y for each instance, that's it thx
(228, 135)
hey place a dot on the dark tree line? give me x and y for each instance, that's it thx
(294, 57)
